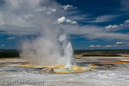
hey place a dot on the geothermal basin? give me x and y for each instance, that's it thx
(18, 72)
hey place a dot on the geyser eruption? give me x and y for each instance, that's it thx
(48, 52)
(68, 54)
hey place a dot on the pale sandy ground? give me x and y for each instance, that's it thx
(21, 76)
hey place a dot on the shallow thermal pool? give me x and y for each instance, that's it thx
(117, 75)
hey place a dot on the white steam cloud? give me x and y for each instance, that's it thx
(36, 17)
(48, 48)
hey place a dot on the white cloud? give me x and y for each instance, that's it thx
(98, 45)
(114, 26)
(67, 7)
(111, 26)
(111, 46)
(121, 24)
(108, 27)
(127, 44)
(95, 46)
(92, 46)
(11, 38)
(104, 18)
(61, 20)
(64, 20)
(127, 21)
(68, 20)
(122, 42)
(100, 19)
(74, 22)
(2, 45)
(119, 43)
(125, 24)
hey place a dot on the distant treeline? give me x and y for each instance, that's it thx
(5, 53)
(2, 55)
(111, 51)
(15, 53)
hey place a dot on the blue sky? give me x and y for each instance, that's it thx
(90, 24)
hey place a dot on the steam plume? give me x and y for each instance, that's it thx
(48, 47)
(37, 17)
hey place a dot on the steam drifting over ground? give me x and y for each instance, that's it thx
(40, 17)
(49, 46)
(36, 17)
